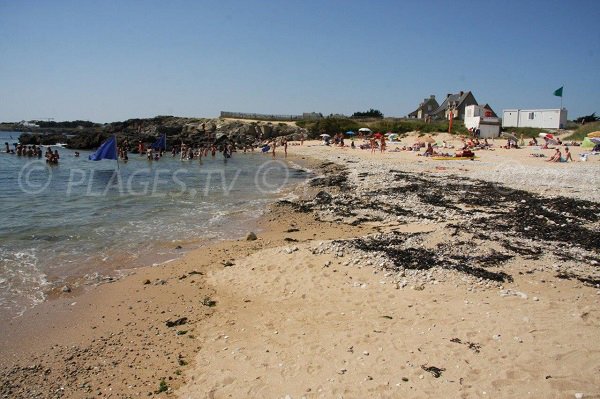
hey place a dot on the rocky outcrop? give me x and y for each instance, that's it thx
(193, 131)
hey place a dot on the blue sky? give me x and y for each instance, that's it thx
(113, 60)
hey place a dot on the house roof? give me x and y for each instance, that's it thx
(459, 98)
(487, 106)
(431, 100)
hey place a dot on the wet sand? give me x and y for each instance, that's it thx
(388, 276)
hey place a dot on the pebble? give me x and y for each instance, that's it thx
(251, 236)
(578, 395)
(513, 293)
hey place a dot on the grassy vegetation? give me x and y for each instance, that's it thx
(162, 387)
(527, 132)
(332, 126)
(584, 130)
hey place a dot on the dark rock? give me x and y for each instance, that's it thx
(251, 237)
(323, 197)
(435, 371)
(179, 322)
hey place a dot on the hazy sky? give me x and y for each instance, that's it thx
(113, 60)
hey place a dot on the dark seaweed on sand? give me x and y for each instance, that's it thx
(522, 222)
(393, 245)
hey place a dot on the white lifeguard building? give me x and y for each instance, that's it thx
(539, 118)
(482, 118)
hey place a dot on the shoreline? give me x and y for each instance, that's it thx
(85, 269)
(271, 287)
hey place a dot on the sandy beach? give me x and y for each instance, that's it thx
(388, 275)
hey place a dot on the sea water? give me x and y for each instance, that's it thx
(83, 221)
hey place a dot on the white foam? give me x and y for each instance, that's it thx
(23, 283)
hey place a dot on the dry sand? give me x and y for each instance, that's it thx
(304, 312)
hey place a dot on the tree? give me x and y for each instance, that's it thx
(588, 118)
(372, 113)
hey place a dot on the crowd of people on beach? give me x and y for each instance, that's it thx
(429, 147)
(377, 142)
(183, 151)
(187, 152)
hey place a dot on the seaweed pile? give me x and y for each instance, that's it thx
(519, 222)
(453, 257)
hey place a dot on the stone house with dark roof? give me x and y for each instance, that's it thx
(425, 109)
(456, 104)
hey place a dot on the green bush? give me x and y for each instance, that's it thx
(583, 131)
(527, 132)
(332, 126)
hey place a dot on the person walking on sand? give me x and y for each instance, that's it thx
(372, 142)
(285, 148)
(274, 145)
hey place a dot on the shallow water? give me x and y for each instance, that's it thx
(83, 220)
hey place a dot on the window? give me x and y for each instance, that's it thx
(531, 115)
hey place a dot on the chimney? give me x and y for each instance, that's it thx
(432, 97)
(461, 93)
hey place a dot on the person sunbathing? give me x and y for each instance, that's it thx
(556, 157)
(568, 156)
(466, 153)
(428, 151)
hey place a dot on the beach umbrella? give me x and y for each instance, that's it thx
(378, 135)
(594, 134)
(350, 133)
(595, 140)
(429, 139)
(546, 136)
(365, 129)
(392, 136)
(324, 135)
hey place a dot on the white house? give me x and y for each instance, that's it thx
(28, 124)
(482, 118)
(540, 118)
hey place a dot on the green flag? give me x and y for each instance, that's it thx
(558, 92)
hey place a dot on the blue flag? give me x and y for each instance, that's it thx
(161, 143)
(108, 150)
